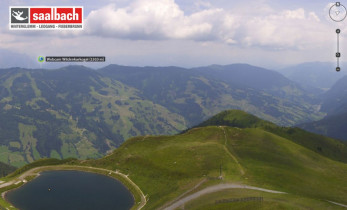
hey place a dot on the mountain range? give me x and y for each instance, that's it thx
(85, 113)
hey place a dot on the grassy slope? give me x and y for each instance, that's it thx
(170, 165)
(325, 146)
(271, 161)
(165, 167)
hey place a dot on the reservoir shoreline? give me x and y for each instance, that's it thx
(135, 191)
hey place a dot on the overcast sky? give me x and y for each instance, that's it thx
(187, 33)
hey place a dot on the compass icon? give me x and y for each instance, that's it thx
(337, 12)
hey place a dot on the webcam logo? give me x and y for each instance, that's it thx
(41, 59)
(19, 15)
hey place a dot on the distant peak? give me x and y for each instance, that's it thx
(235, 118)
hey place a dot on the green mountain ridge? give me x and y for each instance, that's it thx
(84, 113)
(329, 147)
(235, 118)
(165, 167)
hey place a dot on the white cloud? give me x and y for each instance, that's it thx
(199, 4)
(154, 19)
(163, 19)
(287, 29)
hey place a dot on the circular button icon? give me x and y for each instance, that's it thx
(41, 59)
(337, 12)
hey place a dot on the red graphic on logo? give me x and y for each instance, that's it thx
(56, 15)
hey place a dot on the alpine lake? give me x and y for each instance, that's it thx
(71, 190)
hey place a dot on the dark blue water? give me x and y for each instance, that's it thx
(71, 190)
